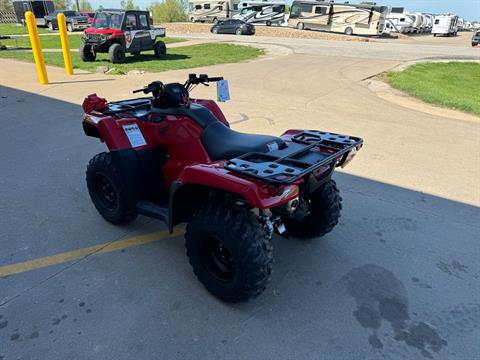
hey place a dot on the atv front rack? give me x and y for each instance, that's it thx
(307, 152)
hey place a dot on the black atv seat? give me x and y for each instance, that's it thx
(223, 143)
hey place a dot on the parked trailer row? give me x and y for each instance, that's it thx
(361, 19)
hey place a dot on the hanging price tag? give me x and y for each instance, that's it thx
(223, 94)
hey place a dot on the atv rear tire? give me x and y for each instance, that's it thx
(160, 49)
(116, 53)
(107, 191)
(229, 252)
(325, 205)
(86, 53)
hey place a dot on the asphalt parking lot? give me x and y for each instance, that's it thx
(397, 279)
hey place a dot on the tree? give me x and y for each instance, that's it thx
(62, 4)
(168, 11)
(84, 6)
(6, 5)
(128, 5)
(100, 7)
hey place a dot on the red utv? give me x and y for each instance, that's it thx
(176, 159)
(90, 14)
(117, 32)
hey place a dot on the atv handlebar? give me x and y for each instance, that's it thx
(193, 79)
(157, 87)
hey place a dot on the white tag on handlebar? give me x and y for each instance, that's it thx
(223, 94)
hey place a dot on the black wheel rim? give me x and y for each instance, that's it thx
(217, 259)
(105, 192)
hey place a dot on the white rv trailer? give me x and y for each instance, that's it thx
(262, 12)
(400, 22)
(460, 24)
(429, 22)
(417, 23)
(445, 25)
(359, 19)
(212, 11)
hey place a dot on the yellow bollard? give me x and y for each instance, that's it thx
(67, 57)
(36, 48)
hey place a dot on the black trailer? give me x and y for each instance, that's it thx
(39, 8)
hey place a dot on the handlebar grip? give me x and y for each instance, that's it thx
(137, 91)
(215, 78)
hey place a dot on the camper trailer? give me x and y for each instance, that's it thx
(417, 23)
(358, 19)
(212, 11)
(262, 12)
(445, 25)
(39, 8)
(399, 21)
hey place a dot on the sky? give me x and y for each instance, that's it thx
(468, 9)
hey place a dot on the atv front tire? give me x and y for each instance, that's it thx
(325, 205)
(86, 53)
(107, 191)
(116, 53)
(229, 252)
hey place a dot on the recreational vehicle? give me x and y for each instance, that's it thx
(417, 22)
(212, 11)
(359, 19)
(400, 22)
(39, 8)
(262, 12)
(445, 25)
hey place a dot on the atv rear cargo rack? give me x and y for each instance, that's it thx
(307, 152)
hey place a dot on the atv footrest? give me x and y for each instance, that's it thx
(283, 166)
(149, 209)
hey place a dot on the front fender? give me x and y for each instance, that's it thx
(258, 194)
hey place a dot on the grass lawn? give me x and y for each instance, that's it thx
(454, 84)
(177, 58)
(16, 29)
(53, 42)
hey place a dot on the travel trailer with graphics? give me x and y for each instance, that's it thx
(212, 11)
(399, 21)
(262, 12)
(358, 19)
(445, 25)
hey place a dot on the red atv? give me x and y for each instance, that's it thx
(117, 32)
(175, 159)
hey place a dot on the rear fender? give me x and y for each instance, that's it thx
(215, 177)
(114, 131)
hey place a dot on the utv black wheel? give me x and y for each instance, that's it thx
(268, 23)
(116, 53)
(160, 49)
(229, 252)
(109, 195)
(86, 53)
(325, 205)
(348, 31)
